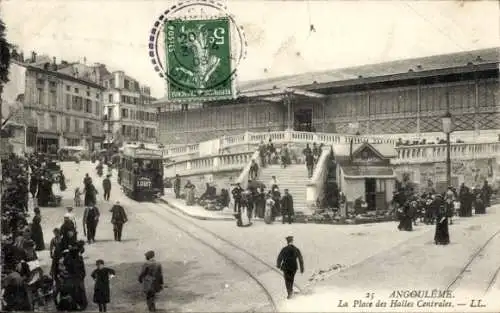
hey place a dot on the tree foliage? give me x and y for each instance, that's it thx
(4, 55)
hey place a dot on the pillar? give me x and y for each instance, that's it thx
(476, 103)
(418, 107)
(185, 126)
(323, 102)
(289, 123)
(368, 102)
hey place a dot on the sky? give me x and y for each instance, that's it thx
(347, 33)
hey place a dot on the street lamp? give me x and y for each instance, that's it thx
(353, 128)
(447, 129)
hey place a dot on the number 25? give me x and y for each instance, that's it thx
(219, 35)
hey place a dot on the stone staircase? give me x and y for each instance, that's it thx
(293, 177)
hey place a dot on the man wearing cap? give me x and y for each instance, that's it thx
(287, 262)
(151, 278)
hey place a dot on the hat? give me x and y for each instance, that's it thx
(150, 254)
(289, 239)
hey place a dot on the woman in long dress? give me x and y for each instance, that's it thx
(36, 231)
(479, 206)
(442, 235)
(406, 217)
(268, 214)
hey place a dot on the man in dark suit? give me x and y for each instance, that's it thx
(118, 218)
(151, 278)
(287, 262)
(287, 210)
(177, 186)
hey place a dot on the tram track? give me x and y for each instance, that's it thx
(262, 273)
(253, 256)
(474, 261)
(254, 267)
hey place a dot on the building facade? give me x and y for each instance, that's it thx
(128, 112)
(408, 96)
(64, 105)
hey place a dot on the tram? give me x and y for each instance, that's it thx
(141, 173)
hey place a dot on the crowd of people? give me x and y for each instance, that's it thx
(439, 209)
(424, 141)
(25, 286)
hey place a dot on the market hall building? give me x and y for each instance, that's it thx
(406, 96)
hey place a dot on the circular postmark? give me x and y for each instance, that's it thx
(197, 46)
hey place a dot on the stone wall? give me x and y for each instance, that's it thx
(470, 172)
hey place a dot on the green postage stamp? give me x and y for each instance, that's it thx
(198, 59)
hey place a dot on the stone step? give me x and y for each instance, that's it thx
(294, 178)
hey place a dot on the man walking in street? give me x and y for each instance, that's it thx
(118, 218)
(90, 221)
(287, 207)
(151, 278)
(106, 186)
(287, 262)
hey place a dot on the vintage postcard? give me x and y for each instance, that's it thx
(250, 155)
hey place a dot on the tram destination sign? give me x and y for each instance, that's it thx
(143, 153)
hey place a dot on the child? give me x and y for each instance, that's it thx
(78, 199)
(102, 276)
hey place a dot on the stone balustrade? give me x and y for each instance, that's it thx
(249, 138)
(287, 136)
(208, 164)
(437, 153)
(405, 155)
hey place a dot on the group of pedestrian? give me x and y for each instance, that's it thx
(257, 202)
(311, 157)
(20, 239)
(269, 154)
(25, 287)
(439, 209)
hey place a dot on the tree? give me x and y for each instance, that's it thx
(4, 55)
(4, 61)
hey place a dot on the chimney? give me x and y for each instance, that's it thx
(33, 56)
(21, 57)
(54, 60)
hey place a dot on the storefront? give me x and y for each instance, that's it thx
(366, 174)
(47, 142)
(97, 143)
(72, 139)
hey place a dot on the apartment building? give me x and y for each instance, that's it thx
(64, 103)
(128, 114)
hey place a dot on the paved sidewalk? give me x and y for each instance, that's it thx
(195, 211)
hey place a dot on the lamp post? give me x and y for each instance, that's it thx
(447, 129)
(354, 130)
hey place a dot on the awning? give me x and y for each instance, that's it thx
(72, 135)
(361, 172)
(46, 135)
